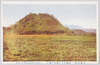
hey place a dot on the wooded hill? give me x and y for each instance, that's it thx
(37, 24)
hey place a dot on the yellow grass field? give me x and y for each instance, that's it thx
(49, 48)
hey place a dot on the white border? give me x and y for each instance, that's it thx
(49, 2)
(1, 33)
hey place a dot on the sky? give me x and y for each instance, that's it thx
(83, 15)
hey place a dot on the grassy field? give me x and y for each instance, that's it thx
(49, 48)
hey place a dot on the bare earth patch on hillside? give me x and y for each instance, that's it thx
(49, 48)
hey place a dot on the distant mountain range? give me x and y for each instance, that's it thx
(74, 27)
(77, 27)
(89, 30)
